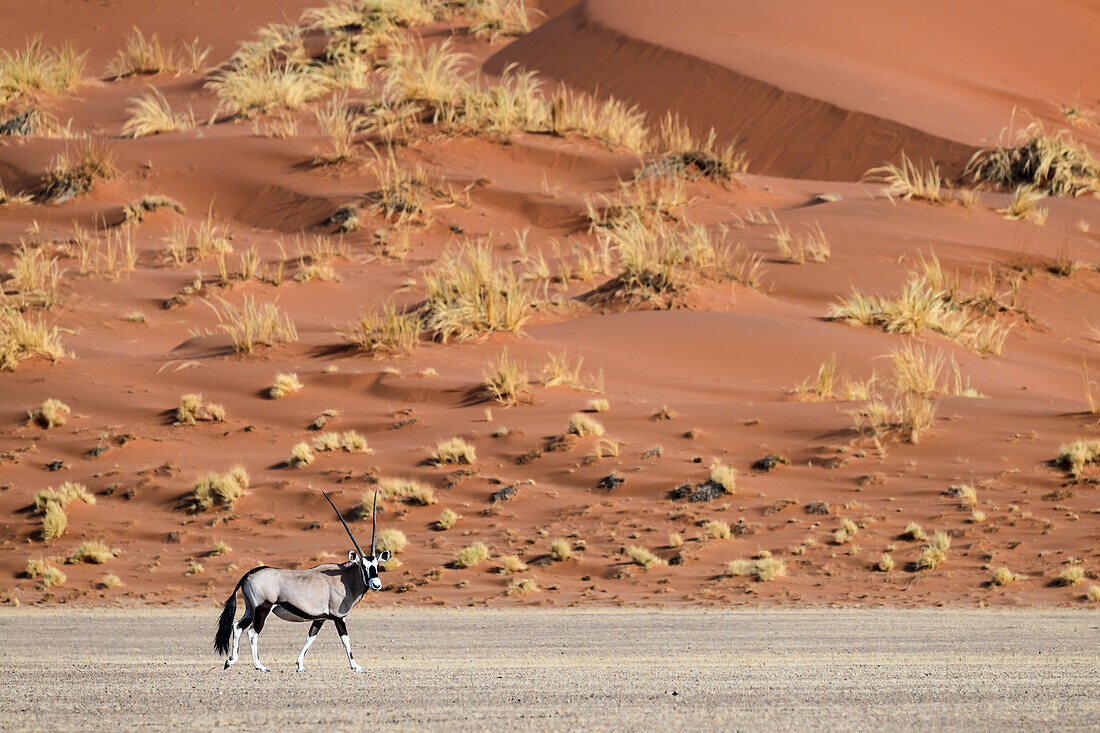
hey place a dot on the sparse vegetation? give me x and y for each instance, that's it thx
(384, 332)
(716, 530)
(934, 553)
(471, 555)
(192, 408)
(220, 547)
(407, 490)
(252, 324)
(300, 455)
(1071, 576)
(448, 518)
(109, 581)
(642, 556)
(795, 247)
(598, 405)
(885, 563)
(1024, 205)
(561, 550)
(218, 489)
(506, 380)
(72, 174)
(62, 496)
(583, 425)
(285, 384)
(39, 69)
(349, 441)
(522, 587)
(151, 114)
(1052, 163)
(1075, 456)
(52, 413)
(1004, 576)
(49, 574)
(22, 339)
(54, 522)
(763, 569)
(391, 539)
(452, 451)
(95, 553)
(909, 180)
(914, 532)
(510, 564)
(1093, 594)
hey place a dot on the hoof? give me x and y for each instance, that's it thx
(262, 668)
(357, 668)
(228, 664)
(299, 669)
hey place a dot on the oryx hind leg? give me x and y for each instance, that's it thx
(342, 630)
(313, 629)
(254, 633)
(244, 623)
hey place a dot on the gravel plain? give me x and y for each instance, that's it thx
(480, 669)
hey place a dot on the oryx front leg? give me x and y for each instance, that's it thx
(313, 629)
(342, 630)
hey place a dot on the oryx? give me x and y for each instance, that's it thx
(325, 592)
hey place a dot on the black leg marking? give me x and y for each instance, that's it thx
(261, 616)
(245, 622)
(341, 628)
(315, 627)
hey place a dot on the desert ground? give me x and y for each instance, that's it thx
(476, 669)
(689, 305)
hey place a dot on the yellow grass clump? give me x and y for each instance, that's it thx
(909, 180)
(219, 488)
(73, 173)
(452, 451)
(383, 332)
(522, 587)
(289, 84)
(141, 56)
(935, 552)
(54, 522)
(468, 296)
(1052, 163)
(1004, 576)
(151, 114)
(349, 441)
(506, 380)
(109, 580)
(448, 518)
(220, 547)
(886, 562)
(499, 18)
(253, 324)
(391, 539)
(22, 339)
(407, 490)
(38, 68)
(1075, 456)
(1093, 594)
(643, 557)
(52, 413)
(598, 405)
(46, 571)
(913, 531)
(471, 555)
(63, 495)
(192, 408)
(95, 553)
(723, 476)
(716, 530)
(561, 550)
(763, 569)
(285, 384)
(583, 425)
(1071, 576)
(510, 564)
(300, 455)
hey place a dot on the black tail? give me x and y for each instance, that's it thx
(225, 623)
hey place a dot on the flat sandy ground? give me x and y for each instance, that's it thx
(561, 670)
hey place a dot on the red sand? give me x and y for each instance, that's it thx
(805, 97)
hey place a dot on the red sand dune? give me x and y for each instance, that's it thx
(827, 90)
(805, 98)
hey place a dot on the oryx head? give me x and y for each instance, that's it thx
(368, 565)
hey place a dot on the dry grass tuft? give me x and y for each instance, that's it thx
(142, 56)
(1075, 456)
(506, 380)
(385, 332)
(909, 180)
(1071, 576)
(468, 296)
(498, 18)
(407, 490)
(795, 247)
(73, 173)
(583, 425)
(471, 555)
(914, 532)
(46, 571)
(300, 455)
(522, 587)
(642, 556)
(192, 408)
(218, 488)
(285, 384)
(109, 581)
(220, 547)
(63, 495)
(252, 324)
(39, 69)
(54, 522)
(289, 84)
(1052, 163)
(22, 339)
(716, 530)
(1024, 205)
(1093, 594)
(95, 553)
(510, 564)
(885, 563)
(561, 550)
(1004, 576)
(453, 451)
(763, 569)
(934, 553)
(391, 539)
(52, 413)
(151, 114)
(448, 518)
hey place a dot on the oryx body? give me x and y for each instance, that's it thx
(323, 593)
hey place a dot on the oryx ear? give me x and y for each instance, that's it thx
(384, 556)
(353, 556)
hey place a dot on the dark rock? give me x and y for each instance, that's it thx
(611, 481)
(506, 493)
(770, 462)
